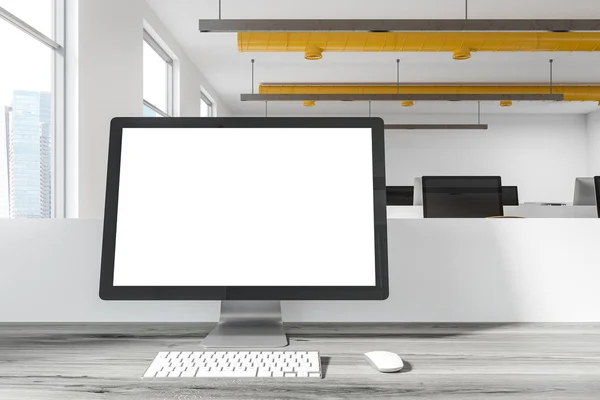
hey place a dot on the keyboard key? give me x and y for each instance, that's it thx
(189, 373)
(150, 373)
(162, 374)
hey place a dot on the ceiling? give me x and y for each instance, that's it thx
(229, 71)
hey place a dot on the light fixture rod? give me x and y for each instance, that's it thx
(219, 10)
(466, 10)
(551, 62)
(253, 76)
(479, 112)
(266, 109)
(369, 109)
(398, 76)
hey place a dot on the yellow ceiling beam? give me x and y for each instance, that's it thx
(461, 44)
(570, 93)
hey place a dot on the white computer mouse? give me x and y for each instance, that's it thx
(385, 361)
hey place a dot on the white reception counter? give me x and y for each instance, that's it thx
(441, 270)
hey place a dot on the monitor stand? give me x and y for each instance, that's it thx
(248, 324)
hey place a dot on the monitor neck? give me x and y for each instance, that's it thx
(248, 324)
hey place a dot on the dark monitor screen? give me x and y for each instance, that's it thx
(510, 196)
(597, 185)
(462, 196)
(400, 195)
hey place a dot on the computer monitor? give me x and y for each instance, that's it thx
(182, 234)
(418, 192)
(597, 185)
(510, 196)
(400, 195)
(585, 193)
(462, 196)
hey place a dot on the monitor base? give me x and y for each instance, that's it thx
(248, 324)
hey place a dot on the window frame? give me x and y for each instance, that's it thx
(162, 53)
(204, 97)
(58, 101)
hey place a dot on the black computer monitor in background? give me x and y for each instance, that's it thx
(597, 185)
(462, 196)
(400, 195)
(585, 194)
(510, 196)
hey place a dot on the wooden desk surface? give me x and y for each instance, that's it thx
(554, 361)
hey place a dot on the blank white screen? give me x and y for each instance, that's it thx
(245, 207)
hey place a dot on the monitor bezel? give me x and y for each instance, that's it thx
(380, 291)
(597, 188)
(392, 189)
(425, 179)
(516, 189)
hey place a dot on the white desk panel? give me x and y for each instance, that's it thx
(441, 270)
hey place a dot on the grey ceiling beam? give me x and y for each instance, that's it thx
(396, 25)
(400, 97)
(436, 126)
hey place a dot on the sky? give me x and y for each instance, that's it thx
(155, 73)
(29, 61)
(26, 64)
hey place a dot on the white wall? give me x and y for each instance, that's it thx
(593, 132)
(476, 270)
(542, 154)
(109, 52)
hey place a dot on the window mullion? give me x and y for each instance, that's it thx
(157, 47)
(155, 109)
(28, 29)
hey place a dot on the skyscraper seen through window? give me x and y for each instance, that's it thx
(29, 154)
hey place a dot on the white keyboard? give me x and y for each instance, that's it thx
(235, 364)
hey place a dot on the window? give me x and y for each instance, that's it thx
(207, 108)
(158, 79)
(31, 109)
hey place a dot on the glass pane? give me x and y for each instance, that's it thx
(204, 109)
(25, 126)
(155, 78)
(148, 112)
(37, 13)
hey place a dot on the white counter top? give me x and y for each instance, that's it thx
(523, 210)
